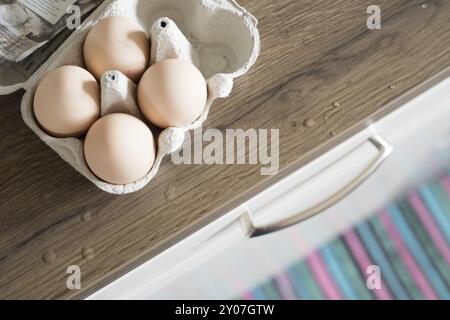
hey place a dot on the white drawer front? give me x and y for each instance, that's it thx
(416, 131)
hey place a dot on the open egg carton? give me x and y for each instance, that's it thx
(218, 36)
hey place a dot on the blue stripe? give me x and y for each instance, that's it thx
(418, 252)
(380, 259)
(438, 213)
(335, 269)
(259, 294)
(298, 286)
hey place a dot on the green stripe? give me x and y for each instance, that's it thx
(351, 270)
(396, 261)
(422, 235)
(309, 281)
(270, 290)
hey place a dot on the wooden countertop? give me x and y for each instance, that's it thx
(318, 61)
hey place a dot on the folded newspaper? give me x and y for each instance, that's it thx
(31, 29)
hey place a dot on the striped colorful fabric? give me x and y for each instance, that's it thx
(409, 241)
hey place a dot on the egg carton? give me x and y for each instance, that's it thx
(218, 36)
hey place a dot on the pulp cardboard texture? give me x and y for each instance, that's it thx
(218, 36)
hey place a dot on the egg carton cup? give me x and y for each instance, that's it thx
(218, 36)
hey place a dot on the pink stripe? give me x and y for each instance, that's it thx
(284, 285)
(249, 296)
(323, 278)
(408, 260)
(430, 226)
(364, 262)
(446, 183)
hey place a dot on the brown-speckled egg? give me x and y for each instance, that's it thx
(120, 149)
(172, 93)
(67, 102)
(117, 43)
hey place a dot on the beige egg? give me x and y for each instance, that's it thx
(117, 43)
(120, 149)
(67, 102)
(172, 93)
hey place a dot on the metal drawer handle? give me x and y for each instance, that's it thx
(385, 149)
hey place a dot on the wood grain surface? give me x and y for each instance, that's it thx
(318, 61)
